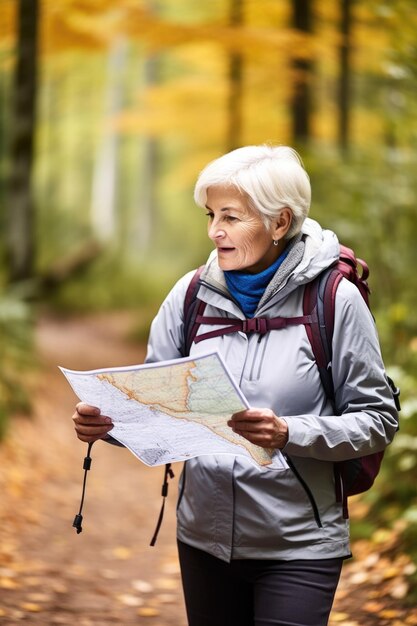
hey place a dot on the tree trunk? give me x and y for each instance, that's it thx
(301, 102)
(147, 211)
(344, 94)
(234, 103)
(103, 203)
(20, 238)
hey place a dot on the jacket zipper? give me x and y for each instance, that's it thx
(307, 490)
(184, 473)
(289, 461)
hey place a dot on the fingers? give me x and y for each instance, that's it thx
(252, 420)
(87, 409)
(261, 427)
(89, 424)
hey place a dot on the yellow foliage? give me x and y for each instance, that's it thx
(366, 126)
(162, 109)
(70, 24)
(7, 24)
(75, 24)
(247, 40)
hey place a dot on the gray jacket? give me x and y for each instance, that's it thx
(228, 506)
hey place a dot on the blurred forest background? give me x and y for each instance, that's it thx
(109, 110)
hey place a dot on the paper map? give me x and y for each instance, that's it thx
(172, 410)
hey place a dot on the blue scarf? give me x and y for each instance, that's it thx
(247, 289)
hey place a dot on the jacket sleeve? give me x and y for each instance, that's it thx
(367, 418)
(167, 329)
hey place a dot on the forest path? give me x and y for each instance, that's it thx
(109, 574)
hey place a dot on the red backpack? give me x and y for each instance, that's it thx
(354, 475)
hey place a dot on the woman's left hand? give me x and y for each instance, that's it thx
(261, 427)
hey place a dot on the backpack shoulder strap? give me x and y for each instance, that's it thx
(192, 308)
(319, 299)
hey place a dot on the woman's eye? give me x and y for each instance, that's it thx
(225, 218)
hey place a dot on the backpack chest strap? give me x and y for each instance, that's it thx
(257, 325)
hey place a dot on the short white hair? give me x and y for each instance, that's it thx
(271, 177)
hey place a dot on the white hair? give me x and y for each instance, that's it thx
(271, 177)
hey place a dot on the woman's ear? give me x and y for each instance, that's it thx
(282, 223)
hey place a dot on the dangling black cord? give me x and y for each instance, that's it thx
(77, 523)
(168, 474)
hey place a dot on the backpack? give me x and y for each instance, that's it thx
(353, 476)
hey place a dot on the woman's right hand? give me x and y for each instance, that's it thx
(89, 424)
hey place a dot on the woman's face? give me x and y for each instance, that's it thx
(238, 232)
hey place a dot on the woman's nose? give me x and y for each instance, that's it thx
(215, 232)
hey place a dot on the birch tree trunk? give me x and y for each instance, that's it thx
(147, 201)
(104, 219)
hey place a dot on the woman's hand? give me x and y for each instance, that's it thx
(261, 427)
(89, 424)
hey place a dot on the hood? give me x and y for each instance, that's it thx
(321, 249)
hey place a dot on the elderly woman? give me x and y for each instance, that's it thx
(259, 546)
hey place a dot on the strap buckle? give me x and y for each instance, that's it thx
(255, 325)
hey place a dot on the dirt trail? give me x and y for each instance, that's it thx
(108, 574)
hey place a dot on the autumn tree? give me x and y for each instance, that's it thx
(105, 180)
(301, 102)
(147, 196)
(234, 105)
(344, 91)
(20, 242)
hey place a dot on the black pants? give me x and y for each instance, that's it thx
(255, 592)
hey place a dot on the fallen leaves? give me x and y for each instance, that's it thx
(95, 579)
(143, 586)
(31, 607)
(400, 590)
(149, 596)
(122, 552)
(167, 583)
(129, 600)
(384, 576)
(166, 598)
(389, 614)
(373, 607)
(338, 617)
(8, 583)
(379, 578)
(171, 567)
(148, 611)
(47, 574)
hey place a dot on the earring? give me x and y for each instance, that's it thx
(276, 242)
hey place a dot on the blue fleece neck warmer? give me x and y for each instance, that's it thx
(247, 289)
